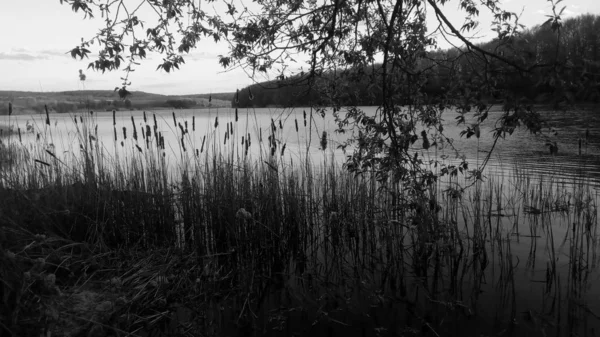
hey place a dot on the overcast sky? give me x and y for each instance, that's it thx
(36, 34)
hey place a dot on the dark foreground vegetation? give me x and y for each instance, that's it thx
(578, 54)
(228, 244)
(25, 102)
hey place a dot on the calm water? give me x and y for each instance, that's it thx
(527, 150)
(534, 240)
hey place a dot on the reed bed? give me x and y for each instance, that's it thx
(221, 235)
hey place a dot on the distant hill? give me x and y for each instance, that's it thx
(28, 102)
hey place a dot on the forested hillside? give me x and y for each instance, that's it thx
(539, 51)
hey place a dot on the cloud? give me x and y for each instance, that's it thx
(567, 13)
(22, 54)
(54, 53)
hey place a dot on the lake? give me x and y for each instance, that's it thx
(531, 152)
(536, 212)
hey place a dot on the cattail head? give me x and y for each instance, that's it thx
(324, 141)
(425, 140)
(48, 115)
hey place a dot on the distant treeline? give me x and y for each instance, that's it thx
(578, 54)
(64, 102)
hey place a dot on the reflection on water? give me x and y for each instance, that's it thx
(524, 255)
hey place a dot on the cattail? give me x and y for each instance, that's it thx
(324, 141)
(41, 162)
(225, 138)
(75, 120)
(115, 130)
(51, 154)
(186, 126)
(216, 121)
(155, 124)
(124, 133)
(48, 115)
(283, 149)
(237, 96)
(236, 114)
(182, 144)
(95, 129)
(260, 136)
(425, 140)
(273, 127)
(231, 127)
(193, 123)
(114, 117)
(182, 129)
(19, 130)
(280, 125)
(304, 118)
(134, 129)
(296, 121)
(243, 141)
(202, 147)
(248, 140)
(139, 148)
(227, 131)
(145, 120)
(122, 144)
(10, 109)
(197, 153)
(174, 120)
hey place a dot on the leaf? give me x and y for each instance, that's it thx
(562, 10)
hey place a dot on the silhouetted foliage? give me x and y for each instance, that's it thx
(374, 52)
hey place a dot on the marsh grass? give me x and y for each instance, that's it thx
(219, 234)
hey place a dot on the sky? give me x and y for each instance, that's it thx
(36, 36)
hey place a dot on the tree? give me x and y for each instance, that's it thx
(384, 43)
